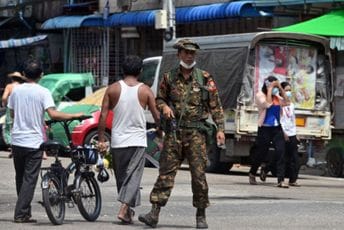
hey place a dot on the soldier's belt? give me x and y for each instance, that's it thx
(191, 124)
(203, 126)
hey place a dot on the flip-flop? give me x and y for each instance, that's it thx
(131, 214)
(125, 220)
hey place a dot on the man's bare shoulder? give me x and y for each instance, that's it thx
(113, 88)
(145, 88)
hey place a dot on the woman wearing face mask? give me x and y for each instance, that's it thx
(269, 101)
(289, 128)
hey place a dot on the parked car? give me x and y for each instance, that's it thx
(85, 132)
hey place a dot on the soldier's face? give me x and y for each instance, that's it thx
(187, 56)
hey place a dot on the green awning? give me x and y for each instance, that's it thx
(329, 25)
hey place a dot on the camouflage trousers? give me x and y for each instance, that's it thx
(189, 144)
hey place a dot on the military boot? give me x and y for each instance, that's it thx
(151, 219)
(200, 219)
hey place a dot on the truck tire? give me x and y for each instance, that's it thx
(334, 161)
(215, 166)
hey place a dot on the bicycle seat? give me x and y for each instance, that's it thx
(50, 144)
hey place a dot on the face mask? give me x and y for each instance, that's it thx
(288, 94)
(275, 91)
(186, 66)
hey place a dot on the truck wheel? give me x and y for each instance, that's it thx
(334, 162)
(214, 165)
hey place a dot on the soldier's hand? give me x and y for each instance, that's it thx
(167, 112)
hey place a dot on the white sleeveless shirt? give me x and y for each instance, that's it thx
(129, 122)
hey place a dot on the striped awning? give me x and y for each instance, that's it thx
(147, 17)
(191, 14)
(11, 43)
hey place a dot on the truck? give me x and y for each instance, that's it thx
(239, 63)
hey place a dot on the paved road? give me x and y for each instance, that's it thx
(318, 204)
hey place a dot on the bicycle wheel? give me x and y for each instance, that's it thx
(52, 199)
(89, 200)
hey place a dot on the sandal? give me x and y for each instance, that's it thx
(294, 184)
(128, 218)
(282, 184)
(125, 220)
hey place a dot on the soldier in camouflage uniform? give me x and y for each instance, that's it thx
(181, 98)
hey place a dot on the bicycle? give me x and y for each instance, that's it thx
(84, 191)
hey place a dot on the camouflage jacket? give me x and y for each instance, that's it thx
(173, 92)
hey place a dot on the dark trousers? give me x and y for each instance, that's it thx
(27, 164)
(292, 158)
(266, 136)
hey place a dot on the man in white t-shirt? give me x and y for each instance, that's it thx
(28, 103)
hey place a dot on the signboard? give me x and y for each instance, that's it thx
(297, 65)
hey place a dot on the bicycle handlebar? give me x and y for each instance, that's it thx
(83, 117)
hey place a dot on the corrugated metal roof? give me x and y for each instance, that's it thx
(11, 43)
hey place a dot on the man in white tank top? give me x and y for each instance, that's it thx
(127, 98)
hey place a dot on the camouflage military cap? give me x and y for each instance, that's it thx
(186, 44)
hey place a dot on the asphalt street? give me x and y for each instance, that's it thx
(317, 204)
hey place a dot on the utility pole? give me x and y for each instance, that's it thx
(165, 19)
(170, 32)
